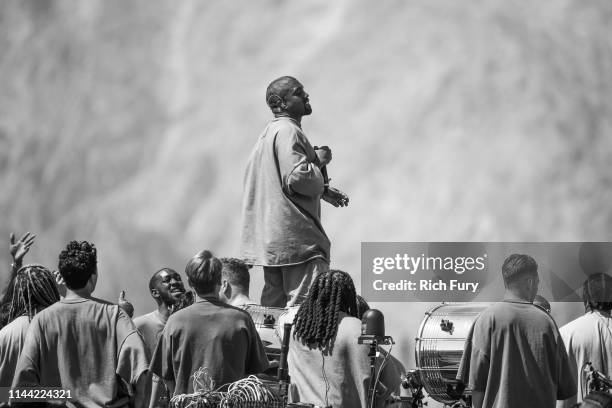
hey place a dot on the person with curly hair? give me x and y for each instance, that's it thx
(209, 334)
(83, 344)
(327, 366)
(33, 290)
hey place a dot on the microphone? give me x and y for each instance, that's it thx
(373, 328)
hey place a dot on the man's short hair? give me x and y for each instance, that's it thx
(155, 278)
(77, 263)
(597, 292)
(277, 90)
(517, 266)
(204, 272)
(236, 272)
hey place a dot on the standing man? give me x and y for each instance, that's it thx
(167, 289)
(83, 344)
(588, 339)
(208, 334)
(284, 182)
(516, 357)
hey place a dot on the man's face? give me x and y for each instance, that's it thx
(169, 287)
(296, 100)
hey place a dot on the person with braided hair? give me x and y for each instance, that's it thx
(83, 344)
(327, 366)
(33, 290)
(18, 250)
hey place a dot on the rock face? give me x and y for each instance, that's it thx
(129, 123)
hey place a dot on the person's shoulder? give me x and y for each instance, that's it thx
(348, 325)
(179, 317)
(287, 129)
(230, 310)
(18, 324)
(144, 320)
(102, 302)
(581, 325)
(58, 308)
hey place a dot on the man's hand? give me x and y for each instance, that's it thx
(324, 155)
(125, 305)
(335, 197)
(20, 248)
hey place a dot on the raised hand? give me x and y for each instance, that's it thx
(20, 248)
(125, 305)
(335, 197)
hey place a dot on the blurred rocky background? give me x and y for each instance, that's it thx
(129, 123)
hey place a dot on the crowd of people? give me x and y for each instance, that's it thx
(55, 333)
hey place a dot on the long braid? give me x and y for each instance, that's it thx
(34, 289)
(317, 320)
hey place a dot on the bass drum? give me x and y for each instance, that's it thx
(439, 346)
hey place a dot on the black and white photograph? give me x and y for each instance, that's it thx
(306, 204)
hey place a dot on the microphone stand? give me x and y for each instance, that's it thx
(283, 372)
(374, 341)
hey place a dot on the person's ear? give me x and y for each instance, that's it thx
(275, 102)
(225, 287)
(155, 293)
(92, 281)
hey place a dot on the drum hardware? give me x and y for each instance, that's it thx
(447, 326)
(439, 347)
(596, 381)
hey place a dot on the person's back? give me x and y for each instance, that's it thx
(208, 334)
(214, 335)
(272, 177)
(33, 289)
(12, 338)
(346, 369)
(588, 339)
(525, 355)
(82, 345)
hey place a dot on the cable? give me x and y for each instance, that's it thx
(327, 386)
(380, 369)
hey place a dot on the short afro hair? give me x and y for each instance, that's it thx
(203, 272)
(77, 263)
